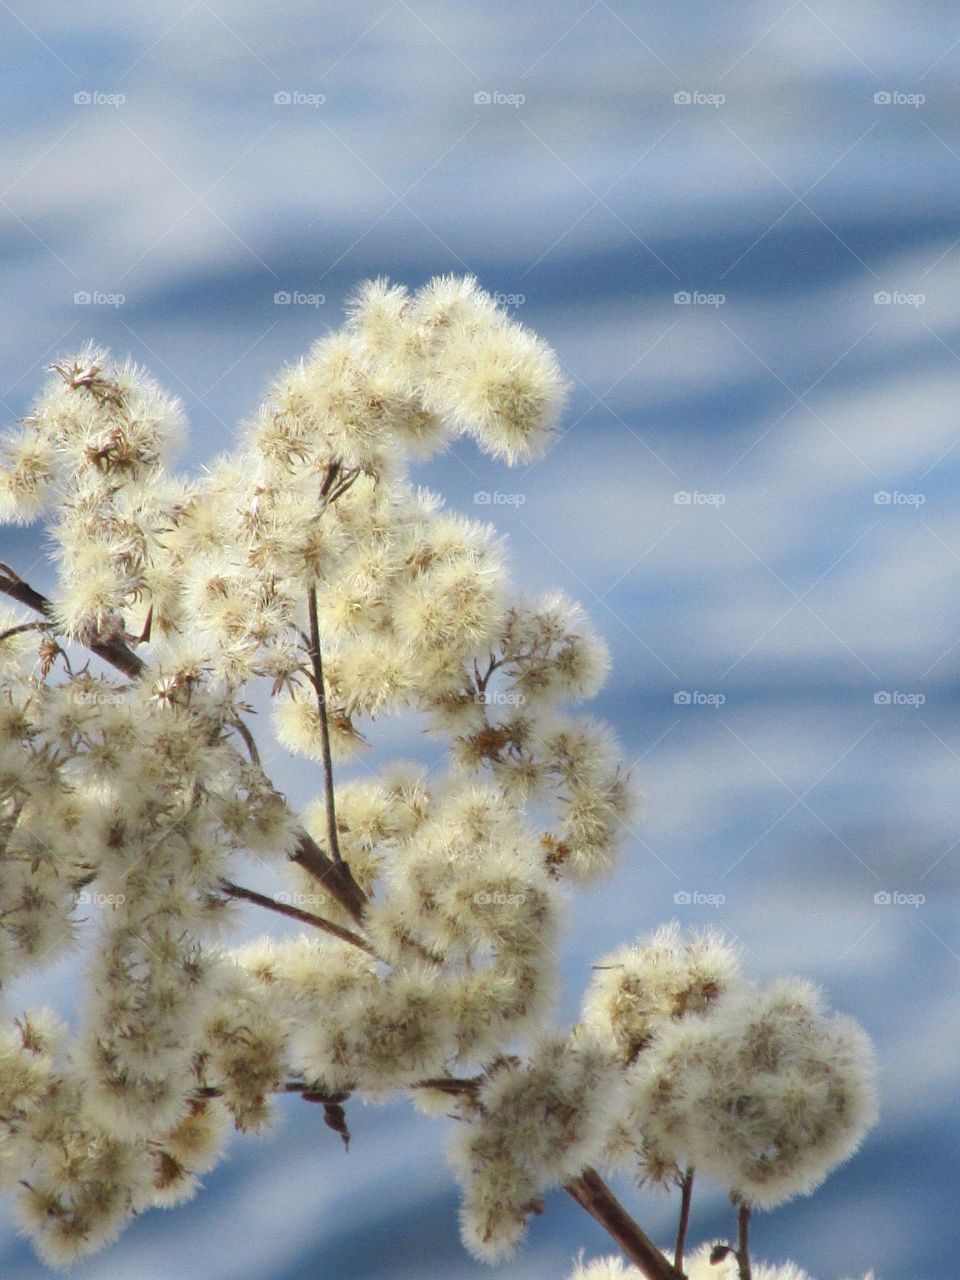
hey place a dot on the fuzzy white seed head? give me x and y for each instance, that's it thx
(765, 1093)
(299, 728)
(662, 978)
(538, 1127)
(604, 1269)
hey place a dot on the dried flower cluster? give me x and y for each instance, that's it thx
(307, 565)
(709, 1262)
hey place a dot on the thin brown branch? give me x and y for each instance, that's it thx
(214, 1091)
(334, 876)
(317, 663)
(343, 486)
(332, 472)
(24, 626)
(446, 1085)
(743, 1242)
(450, 1084)
(592, 1193)
(115, 652)
(686, 1195)
(295, 913)
(336, 483)
(248, 739)
(13, 585)
(483, 680)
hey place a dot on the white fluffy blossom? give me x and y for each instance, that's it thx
(765, 1093)
(536, 1127)
(697, 1266)
(605, 1269)
(639, 988)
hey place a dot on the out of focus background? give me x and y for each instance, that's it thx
(737, 224)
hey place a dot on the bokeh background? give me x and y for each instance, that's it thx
(737, 225)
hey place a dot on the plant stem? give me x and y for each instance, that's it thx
(743, 1242)
(332, 472)
(315, 658)
(214, 1091)
(686, 1192)
(335, 876)
(592, 1193)
(115, 652)
(295, 913)
(451, 1085)
(248, 739)
(24, 626)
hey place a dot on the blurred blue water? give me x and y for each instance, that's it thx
(799, 597)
